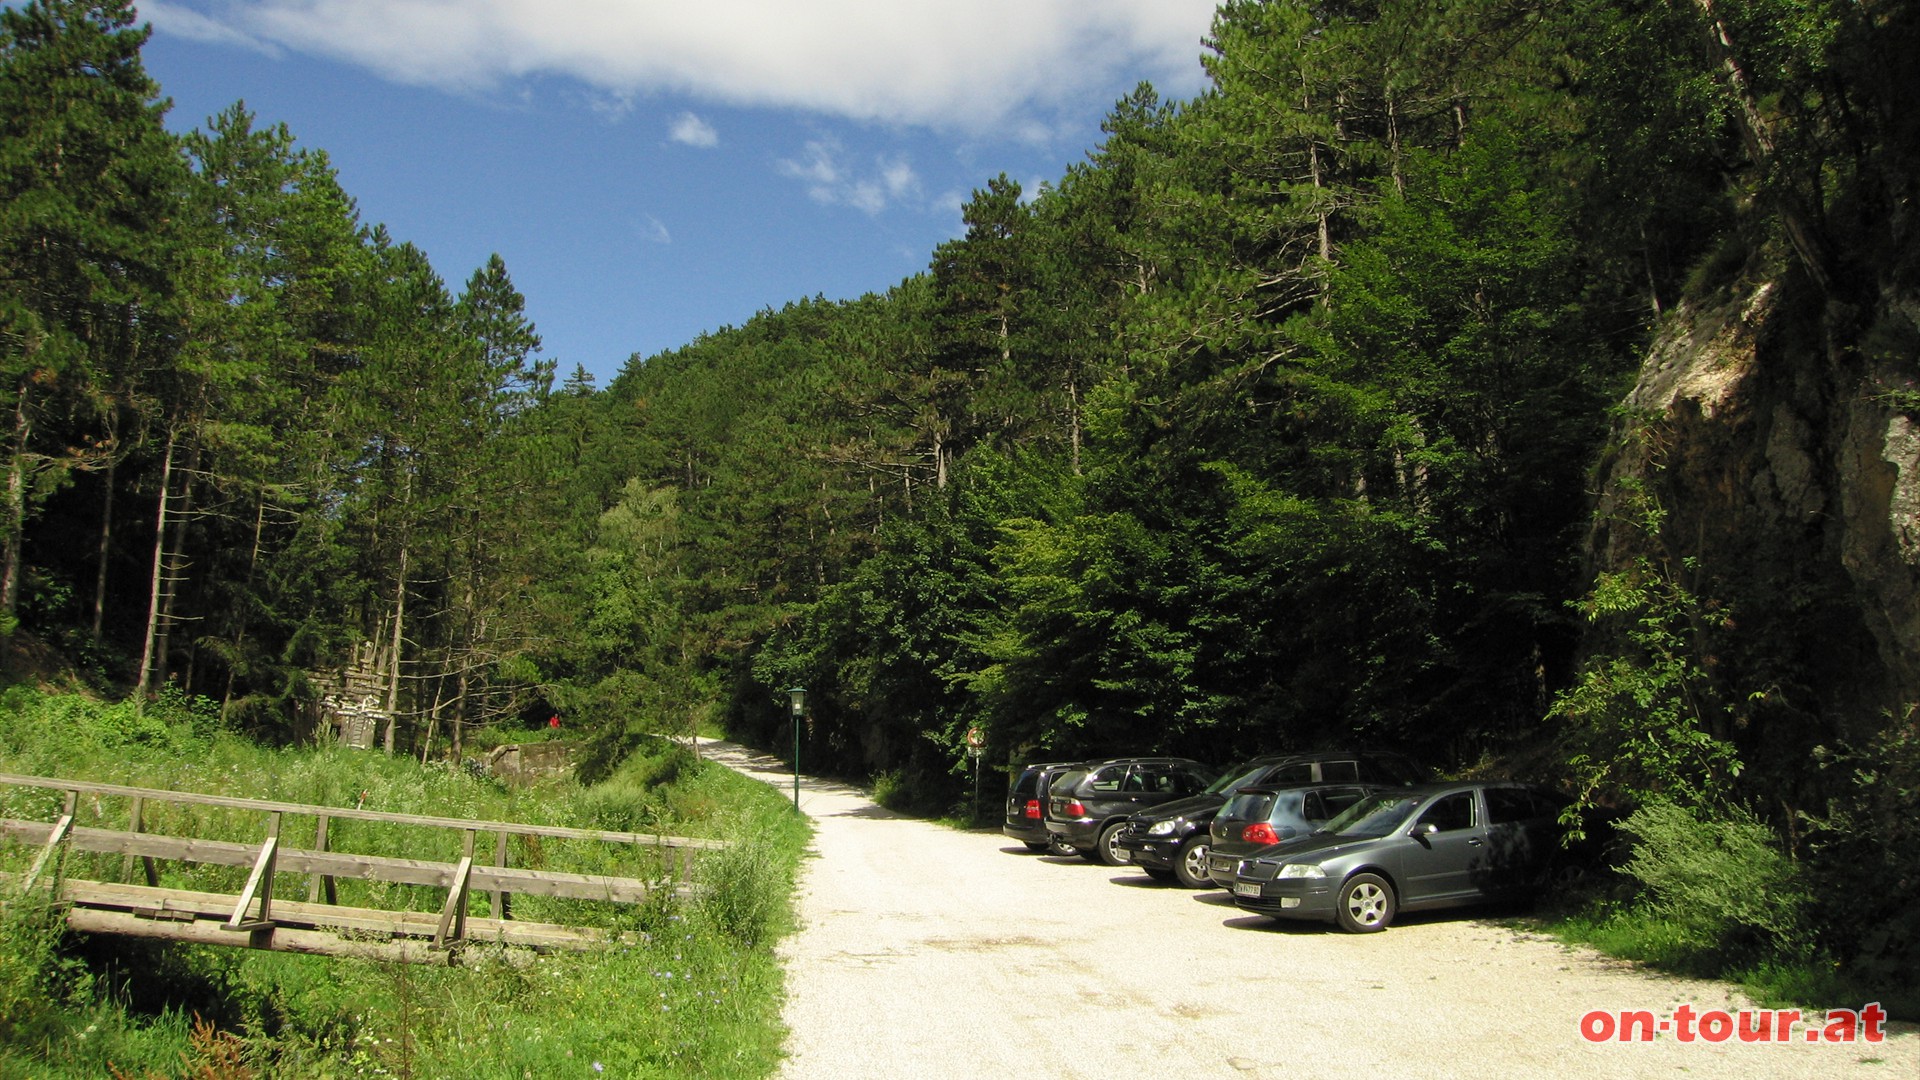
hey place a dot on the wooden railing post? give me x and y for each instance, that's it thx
(502, 903)
(321, 884)
(136, 824)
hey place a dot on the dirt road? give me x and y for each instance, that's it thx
(925, 952)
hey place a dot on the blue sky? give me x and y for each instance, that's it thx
(655, 169)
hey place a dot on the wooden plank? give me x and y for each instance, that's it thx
(275, 938)
(561, 832)
(421, 924)
(453, 914)
(56, 834)
(262, 872)
(184, 906)
(362, 867)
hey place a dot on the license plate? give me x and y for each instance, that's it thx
(1220, 864)
(1245, 888)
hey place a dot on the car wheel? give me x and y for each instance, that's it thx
(1565, 877)
(1108, 849)
(1366, 904)
(1036, 845)
(1190, 863)
(1062, 849)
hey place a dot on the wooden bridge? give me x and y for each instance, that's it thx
(255, 917)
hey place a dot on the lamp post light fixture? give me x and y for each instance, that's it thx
(798, 696)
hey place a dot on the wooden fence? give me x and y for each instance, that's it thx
(255, 918)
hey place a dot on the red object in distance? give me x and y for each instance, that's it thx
(554, 722)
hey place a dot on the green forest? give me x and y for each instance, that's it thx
(1300, 413)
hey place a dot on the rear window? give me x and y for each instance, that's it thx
(1248, 806)
(1027, 780)
(1340, 772)
(1325, 805)
(1300, 772)
(1518, 804)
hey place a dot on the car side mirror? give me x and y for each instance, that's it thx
(1424, 830)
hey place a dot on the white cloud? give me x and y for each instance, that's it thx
(191, 24)
(693, 131)
(832, 182)
(652, 230)
(979, 65)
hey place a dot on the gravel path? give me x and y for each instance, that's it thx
(926, 952)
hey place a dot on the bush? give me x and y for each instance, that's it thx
(30, 931)
(1722, 881)
(1865, 863)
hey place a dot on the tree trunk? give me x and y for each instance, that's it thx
(16, 509)
(1757, 133)
(176, 567)
(106, 548)
(393, 659)
(159, 571)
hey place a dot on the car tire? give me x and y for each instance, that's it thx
(1062, 849)
(1190, 862)
(1107, 850)
(1366, 904)
(1036, 845)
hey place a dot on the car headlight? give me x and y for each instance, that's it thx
(1161, 828)
(1301, 870)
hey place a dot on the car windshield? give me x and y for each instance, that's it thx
(1375, 815)
(1236, 777)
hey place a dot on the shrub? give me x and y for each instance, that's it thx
(1721, 880)
(1865, 862)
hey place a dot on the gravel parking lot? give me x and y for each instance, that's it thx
(926, 952)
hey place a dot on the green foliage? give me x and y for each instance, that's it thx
(1865, 861)
(697, 994)
(1646, 722)
(1720, 880)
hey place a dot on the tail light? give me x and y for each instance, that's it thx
(1033, 808)
(1259, 833)
(1075, 808)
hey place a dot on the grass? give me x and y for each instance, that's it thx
(698, 994)
(1630, 930)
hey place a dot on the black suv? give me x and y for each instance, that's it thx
(1170, 841)
(1027, 791)
(1088, 807)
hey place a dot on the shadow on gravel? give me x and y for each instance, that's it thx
(1141, 881)
(1265, 924)
(1214, 897)
(1315, 926)
(869, 813)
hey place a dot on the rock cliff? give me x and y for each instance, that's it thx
(1778, 433)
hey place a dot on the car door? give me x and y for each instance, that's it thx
(1443, 858)
(1520, 840)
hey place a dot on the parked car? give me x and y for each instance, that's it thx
(1432, 846)
(1027, 792)
(1258, 817)
(1171, 841)
(1089, 807)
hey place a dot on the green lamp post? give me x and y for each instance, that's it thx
(798, 696)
